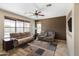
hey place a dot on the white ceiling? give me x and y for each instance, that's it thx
(57, 9)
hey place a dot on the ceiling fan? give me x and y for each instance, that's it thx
(38, 12)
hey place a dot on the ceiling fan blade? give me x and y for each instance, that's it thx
(41, 15)
(39, 12)
(36, 11)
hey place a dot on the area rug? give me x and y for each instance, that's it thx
(52, 47)
(39, 51)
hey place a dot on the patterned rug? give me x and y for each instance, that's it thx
(39, 48)
(44, 45)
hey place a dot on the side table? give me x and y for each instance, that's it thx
(7, 44)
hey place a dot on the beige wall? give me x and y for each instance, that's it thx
(57, 24)
(76, 29)
(1, 29)
(73, 38)
(6, 13)
(69, 35)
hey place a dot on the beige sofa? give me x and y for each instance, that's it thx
(22, 37)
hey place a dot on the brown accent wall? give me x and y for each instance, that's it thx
(57, 24)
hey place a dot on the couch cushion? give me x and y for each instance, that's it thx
(15, 35)
(22, 37)
(27, 34)
(23, 40)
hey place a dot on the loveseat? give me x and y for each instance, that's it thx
(48, 36)
(21, 38)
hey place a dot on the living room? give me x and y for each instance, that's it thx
(42, 29)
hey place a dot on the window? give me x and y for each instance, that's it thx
(12, 26)
(39, 28)
(19, 26)
(26, 27)
(9, 27)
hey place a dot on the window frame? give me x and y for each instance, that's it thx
(27, 27)
(8, 28)
(38, 28)
(19, 27)
(16, 26)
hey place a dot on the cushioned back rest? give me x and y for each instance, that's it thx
(27, 34)
(51, 34)
(19, 35)
(43, 34)
(15, 35)
(22, 35)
